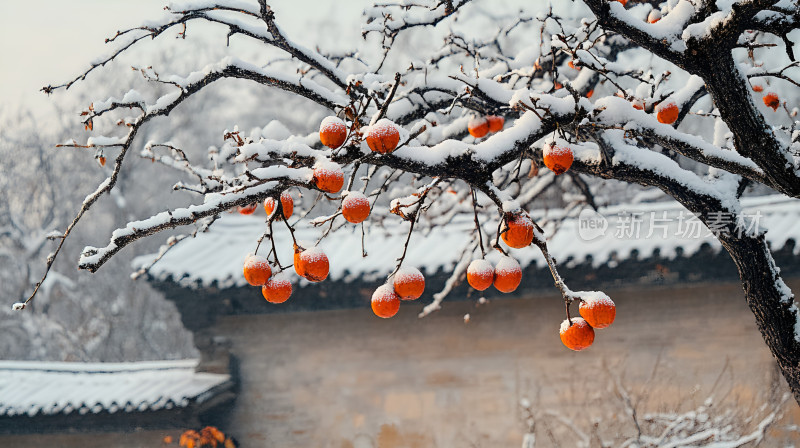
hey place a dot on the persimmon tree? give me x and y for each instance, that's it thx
(622, 91)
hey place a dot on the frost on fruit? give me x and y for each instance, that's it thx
(385, 302)
(383, 136)
(355, 206)
(332, 132)
(409, 283)
(480, 274)
(328, 176)
(508, 275)
(332, 124)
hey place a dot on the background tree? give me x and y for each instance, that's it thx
(694, 98)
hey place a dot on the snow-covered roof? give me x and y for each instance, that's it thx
(218, 255)
(30, 388)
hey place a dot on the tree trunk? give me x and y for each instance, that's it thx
(770, 300)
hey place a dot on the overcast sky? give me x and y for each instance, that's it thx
(49, 41)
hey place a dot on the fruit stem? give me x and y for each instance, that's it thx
(497, 238)
(566, 305)
(477, 223)
(291, 230)
(272, 239)
(405, 247)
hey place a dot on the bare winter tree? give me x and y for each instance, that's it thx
(77, 317)
(630, 91)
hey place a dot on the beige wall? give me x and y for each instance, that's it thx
(349, 379)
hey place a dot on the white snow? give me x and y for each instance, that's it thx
(47, 388)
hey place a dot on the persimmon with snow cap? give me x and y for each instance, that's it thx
(311, 264)
(277, 289)
(654, 16)
(771, 100)
(667, 112)
(355, 207)
(480, 274)
(517, 231)
(598, 310)
(409, 283)
(507, 275)
(578, 335)
(256, 270)
(332, 132)
(495, 123)
(286, 202)
(383, 136)
(385, 302)
(328, 177)
(247, 209)
(478, 127)
(557, 158)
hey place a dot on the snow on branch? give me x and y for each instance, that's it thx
(617, 112)
(93, 258)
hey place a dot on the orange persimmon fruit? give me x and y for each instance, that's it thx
(409, 283)
(654, 16)
(256, 270)
(578, 335)
(312, 264)
(355, 207)
(667, 113)
(328, 177)
(383, 136)
(478, 127)
(210, 435)
(495, 123)
(286, 202)
(598, 310)
(277, 289)
(480, 274)
(507, 275)
(332, 132)
(557, 158)
(771, 100)
(517, 232)
(247, 209)
(758, 88)
(385, 302)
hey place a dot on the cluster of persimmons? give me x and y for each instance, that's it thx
(408, 283)
(208, 437)
(597, 311)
